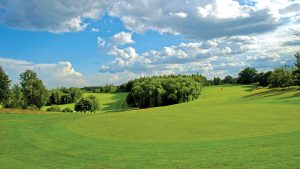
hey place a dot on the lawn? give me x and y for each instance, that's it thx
(108, 102)
(236, 127)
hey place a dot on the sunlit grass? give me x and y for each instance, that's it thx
(236, 127)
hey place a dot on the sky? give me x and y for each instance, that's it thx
(98, 42)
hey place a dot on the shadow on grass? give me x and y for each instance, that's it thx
(118, 105)
(272, 92)
(295, 95)
(250, 88)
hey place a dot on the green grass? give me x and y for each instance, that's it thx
(239, 127)
(108, 102)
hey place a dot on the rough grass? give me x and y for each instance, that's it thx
(239, 127)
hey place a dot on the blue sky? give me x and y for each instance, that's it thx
(71, 43)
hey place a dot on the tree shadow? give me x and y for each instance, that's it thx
(272, 92)
(295, 95)
(250, 88)
(118, 105)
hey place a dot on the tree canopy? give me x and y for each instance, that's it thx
(4, 86)
(35, 93)
(165, 90)
(247, 76)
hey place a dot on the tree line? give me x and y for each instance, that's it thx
(32, 94)
(143, 92)
(281, 77)
(164, 90)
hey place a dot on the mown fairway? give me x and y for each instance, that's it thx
(238, 127)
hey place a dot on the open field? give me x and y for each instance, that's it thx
(238, 127)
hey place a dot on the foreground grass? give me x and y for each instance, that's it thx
(238, 127)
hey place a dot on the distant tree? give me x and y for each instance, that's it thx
(281, 77)
(90, 103)
(296, 72)
(16, 99)
(55, 97)
(217, 81)
(164, 90)
(263, 78)
(228, 80)
(4, 86)
(64, 95)
(34, 91)
(66, 98)
(83, 105)
(95, 103)
(75, 94)
(297, 56)
(247, 76)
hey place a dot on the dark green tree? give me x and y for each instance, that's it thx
(35, 93)
(16, 99)
(247, 76)
(55, 96)
(263, 78)
(164, 90)
(217, 81)
(228, 80)
(90, 103)
(296, 73)
(297, 56)
(4, 86)
(281, 77)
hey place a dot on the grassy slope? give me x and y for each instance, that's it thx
(236, 128)
(108, 102)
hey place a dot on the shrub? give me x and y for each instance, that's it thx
(89, 103)
(53, 109)
(68, 109)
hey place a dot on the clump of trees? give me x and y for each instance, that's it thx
(64, 95)
(296, 71)
(284, 76)
(164, 90)
(110, 88)
(31, 94)
(247, 76)
(90, 103)
(4, 87)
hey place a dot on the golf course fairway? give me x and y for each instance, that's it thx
(227, 127)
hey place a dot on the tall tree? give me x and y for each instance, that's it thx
(228, 80)
(297, 56)
(4, 86)
(247, 76)
(281, 77)
(296, 73)
(16, 99)
(35, 93)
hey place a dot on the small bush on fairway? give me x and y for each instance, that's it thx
(54, 109)
(89, 103)
(67, 109)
